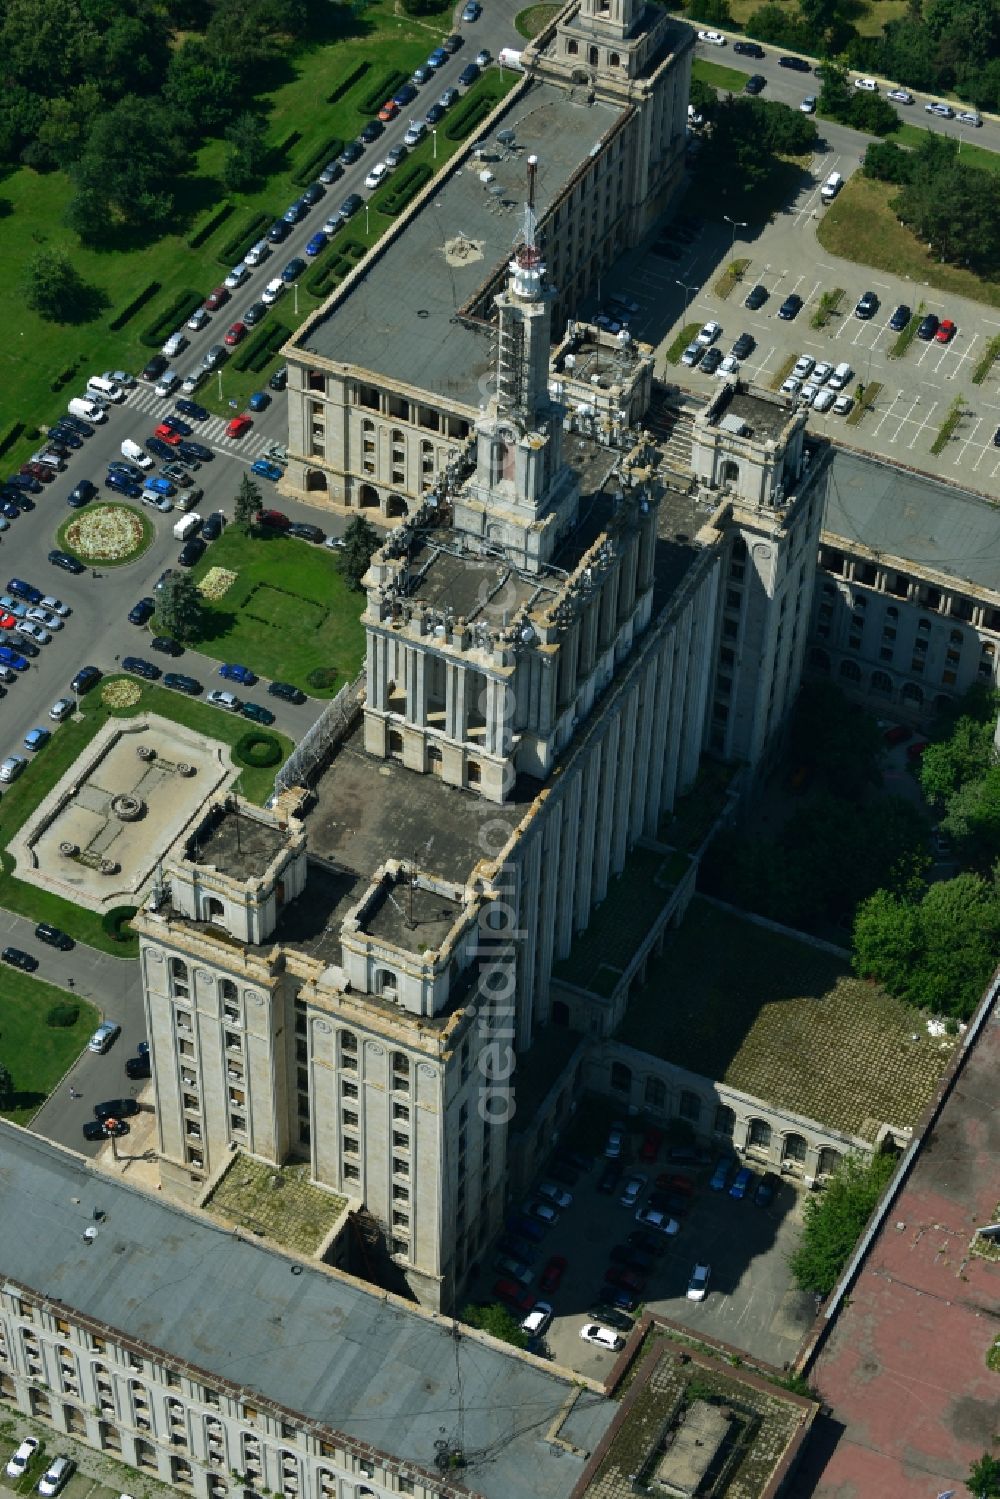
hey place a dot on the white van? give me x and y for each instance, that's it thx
(831, 187)
(87, 411)
(510, 57)
(104, 390)
(132, 451)
(840, 377)
(187, 526)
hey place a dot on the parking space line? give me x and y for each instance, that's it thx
(960, 458)
(904, 419)
(925, 422)
(887, 413)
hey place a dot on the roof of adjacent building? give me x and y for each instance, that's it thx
(398, 319)
(306, 1338)
(935, 526)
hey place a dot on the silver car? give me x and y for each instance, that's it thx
(33, 631)
(104, 1037)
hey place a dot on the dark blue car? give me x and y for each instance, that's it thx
(317, 243)
(236, 673)
(526, 1228)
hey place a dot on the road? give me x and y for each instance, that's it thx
(789, 87)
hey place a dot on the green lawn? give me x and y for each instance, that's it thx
(288, 612)
(300, 120)
(969, 155)
(21, 798)
(528, 23)
(37, 1055)
(716, 75)
(860, 226)
(869, 16)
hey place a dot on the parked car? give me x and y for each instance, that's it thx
(901, 316)
(765, 1189)
(138, 666)
(790, 307)
(601, 1337)
(18, 958)
(55, 1476)
(103, 1129)
(928, 327)
(867, 306)
(286, 691)
(741, 1182)
(615, 1142)
(233, 672)
(220, 699)
(719, 1179)
(697, 1288)
(116, 1108)
(653, 1218)
(713, 38)
(179, 682)
(556, 1195)
(797, 64)
(266, 470)
(86, 678)
(635, 1185)
(610, 1176)
(104, 1037)
(239, 425)
(17, 1464)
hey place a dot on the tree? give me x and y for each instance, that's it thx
(965, 755)
(179, 610)
(497, 1321)
(360, 540)
(127, 170)
(838, 739)
(887, 162)
(872, 113)
(249, 504)
(54, 288)
(6, 1088)
(984, 1478)
(834, 1220)
(201, 89)
(836, 94)
(973, 820)
(247, 137)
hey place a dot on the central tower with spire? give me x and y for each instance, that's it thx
(521, 498)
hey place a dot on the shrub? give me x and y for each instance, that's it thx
(11, 436)
(257, 750)
(322, 677)
(115, 923)
(137, 303)
(257, 351)
(210, 225)
(288, 144)
(172, 318)
(347, 82)
(335, 267)
(384, 88)
(63, 1015)
(32, 434)
(251, 231)
(317, 160)
(469, 115)
(64, 377)
(401, 191)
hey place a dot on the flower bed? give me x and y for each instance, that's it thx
(106, 533)
(216, 582)
(121, 693)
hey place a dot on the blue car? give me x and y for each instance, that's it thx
(124, 486)
(259, 401)
(12, 658)
(235, 673)
(36, 739)
(720, 1176)
(438, 58)
(24, 590)
(741, 1182)
(405, 95)
(317, 243)
(266, 470)
(526, 1228)
(160, 486)
(140, 612)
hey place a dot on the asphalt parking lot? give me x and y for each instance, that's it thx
(751, 1304)
(917, 390)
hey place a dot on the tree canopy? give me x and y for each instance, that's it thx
(834, 1219)
(179, 608)
(497, 1321)
(360, 540)
(743, 140)
(249, 503)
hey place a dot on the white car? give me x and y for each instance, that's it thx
(415, 133)
(653, 1218)
(867, 84)
(803, 366)
(808, 105)
(821, 372)
(808, 393)
(17, 1466)
(274, 289)
(220, 699)
(698, 1284)
(258, 253)
(119, 377)
(543, 1211)
(33, 631)
(198, 320)
(791, 386)
(377, 175)
(156, 501)
(43, 617)
(842, 405)
(633, 1190)
(192, 381)
(601, 1337)
(823, 400)
(104, 1037)
(236, 277)
(167, 383)
(729, 366)
(709, 334)
(692, 354)
(538, 1319)
(714, 38)
(969, 117)
(62, 708)
(557, 1195)
(56, 605)
(900, 96)
(616, 1143)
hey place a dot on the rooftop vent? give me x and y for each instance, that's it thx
(734, 425)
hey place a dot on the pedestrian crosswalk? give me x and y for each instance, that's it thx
(144, 401)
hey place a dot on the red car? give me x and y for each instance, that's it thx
(277, 520)
(236, 334)
(651, 1142)
(167, 434)
(8, 622)
(915, 752)
(898, 734)
(239, 424)
(514, 1296)
(389, 111)
(38, 471)
(629, 1280)
(946, 331)
(667, 1182)
(554, 1272)
(216, 299)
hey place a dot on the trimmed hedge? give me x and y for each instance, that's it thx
(210, 225)
(322, 677)
(64, 377)
(261, 349)
(253, 230)
(317, 160)
(115, 923)
(63, 1016)
(257, 750)
(335, 268)
(11, 436)
(137, 303)
(469, 115)
(172, 318)
(347, 82)
(380, 91)
(288, 144)
(400, 191)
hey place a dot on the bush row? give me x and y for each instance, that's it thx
(288, 144)
(469, 115)
(210, 225)
(383, 89)
(116, 923)
(317, 160)
(335, 268)
(257, 749)
(137, 303)
(171, 318)
(10, 437)
(347, 82)
(257, 351)
(250, 232)
(401, 190)
(64, 377)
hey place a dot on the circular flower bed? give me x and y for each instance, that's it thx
(121, 693)
(106, 533)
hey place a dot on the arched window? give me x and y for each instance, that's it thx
(911, 693)
(347, 1045)
(621, 1077)
(179, 979)
(614, 60)
(656, 1092)
(593, 57)
(851, 670)
(368, 497)
(760, 1133)
(730, 472)
(400, 1072)
(385, 982)
(955, 637)
(395, 742)
(794, 1148)
(829, 1160)
(473, 773)
(368, 426)
(690, 1106)
(882, 683)
(725, 1121)
(227, 989)
(572, 48)
(214, 910)
(924, 626)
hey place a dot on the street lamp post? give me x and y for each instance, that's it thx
(434, 137)
(737, 224)
(220, 385)
(689, 292)
(366, 220)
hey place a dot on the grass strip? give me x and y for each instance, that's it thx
(731, 276)
(990, 356)
(681, 342)
(782, 373)
(865, 400)
(907, 335)
(728, 80)
(829, 306)
(949, 426)
(37, 1054)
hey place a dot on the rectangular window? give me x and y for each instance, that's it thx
(348, 1089)
(352, 1173)
(350, 1118)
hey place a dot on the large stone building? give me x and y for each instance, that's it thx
(387, 380)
